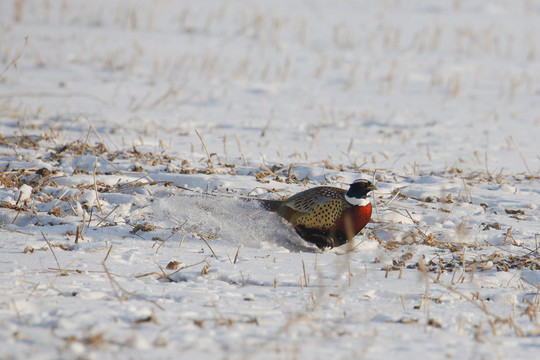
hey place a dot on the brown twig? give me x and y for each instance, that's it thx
(17, 231)
(207, 244)
(59, 272)
(50, 246)
(206, 150)
(96, 189)
(170, 236)
(237, 254)
(15, 60)
(305, 274)
(117, 287)
(106, 216)
(521, 154)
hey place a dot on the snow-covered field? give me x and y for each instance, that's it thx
(130, 131)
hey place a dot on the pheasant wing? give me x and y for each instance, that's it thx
(305, 201)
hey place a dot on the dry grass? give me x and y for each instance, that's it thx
(15, 60)
(63, 206)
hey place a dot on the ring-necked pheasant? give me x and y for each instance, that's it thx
(327, 216)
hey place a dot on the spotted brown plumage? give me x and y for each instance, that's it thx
(325, 215)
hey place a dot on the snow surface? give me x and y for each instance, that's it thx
(131, 134)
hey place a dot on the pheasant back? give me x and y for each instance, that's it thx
(322, 216)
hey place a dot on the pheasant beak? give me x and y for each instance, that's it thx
(372, 187)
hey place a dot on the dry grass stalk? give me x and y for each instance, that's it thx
(170, 236)
(172, 264)
(109, 249)
(59, 273)
(50, 246)
(207, 244)
(374, 197)
(182, 240)
(19, 209)
(16, 231)
(15, 61)
(106, 216)
(469, 198)
(78, 234)
(96, 189)
(521, 154)
(121, 293)
(239, 144)
(237, 254)
(305, 274)
(210, 162)
(395, 195)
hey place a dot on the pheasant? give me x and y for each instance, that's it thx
(326, 216)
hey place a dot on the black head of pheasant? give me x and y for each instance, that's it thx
(358, 191)
(325, 215)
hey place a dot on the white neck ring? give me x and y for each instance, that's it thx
(356, 201)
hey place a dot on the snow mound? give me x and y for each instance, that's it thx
(226, 218)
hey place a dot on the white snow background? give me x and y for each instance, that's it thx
(132, 131)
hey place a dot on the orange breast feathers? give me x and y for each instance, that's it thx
(354, 219)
